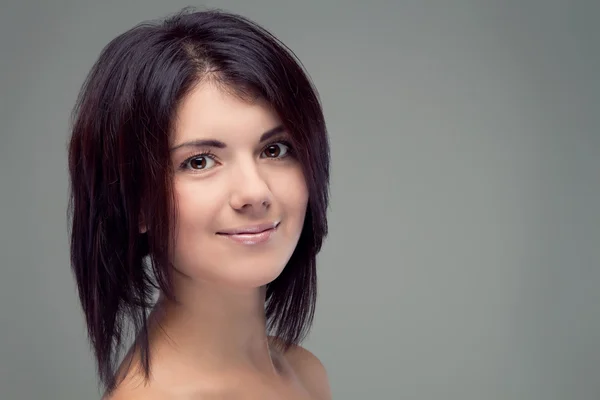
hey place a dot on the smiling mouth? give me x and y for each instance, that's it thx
(249, 230)
(251, 235)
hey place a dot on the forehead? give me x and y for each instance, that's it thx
(210, 112)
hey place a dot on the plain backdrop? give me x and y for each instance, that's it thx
(463, 258)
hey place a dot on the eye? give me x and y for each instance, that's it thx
(276, 150)
(199, 162)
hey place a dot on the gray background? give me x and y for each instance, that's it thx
(463, 259)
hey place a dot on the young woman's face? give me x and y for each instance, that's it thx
(240, 192)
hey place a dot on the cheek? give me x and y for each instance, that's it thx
(197, 206)
(291, 192)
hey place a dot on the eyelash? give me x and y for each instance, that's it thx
(210, 154)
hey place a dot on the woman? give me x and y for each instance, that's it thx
(199, 166)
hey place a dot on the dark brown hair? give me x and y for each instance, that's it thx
(120, 170)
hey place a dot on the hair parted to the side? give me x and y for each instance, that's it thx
(121, 175)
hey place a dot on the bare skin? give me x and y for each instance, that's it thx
(233, 169)
(298, 375)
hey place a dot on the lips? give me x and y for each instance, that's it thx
(254, 229)
(251, 235)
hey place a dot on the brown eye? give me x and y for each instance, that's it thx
(276, 150)
(198, 163)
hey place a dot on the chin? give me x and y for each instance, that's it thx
(254, 275)
(229, 264)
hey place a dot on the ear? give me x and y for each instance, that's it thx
(142, 224)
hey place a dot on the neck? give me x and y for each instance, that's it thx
(212, 328)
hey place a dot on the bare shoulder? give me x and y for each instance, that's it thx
(310, 370)
(134, 388)
(128, 394)
(123, 393)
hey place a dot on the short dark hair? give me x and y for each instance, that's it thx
(120, 170)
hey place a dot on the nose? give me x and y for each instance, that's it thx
(250, 191)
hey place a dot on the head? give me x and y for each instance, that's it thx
(234, 169)
(185, 131)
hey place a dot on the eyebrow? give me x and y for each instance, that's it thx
(220, 145)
